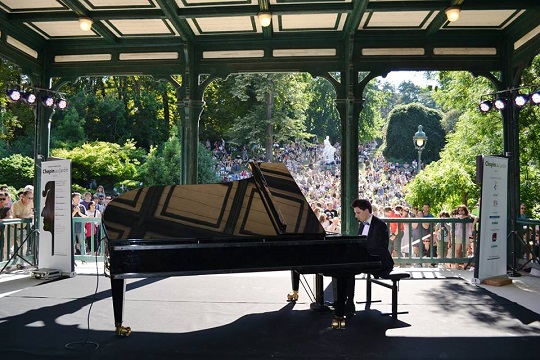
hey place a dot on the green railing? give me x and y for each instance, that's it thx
(13, 233)
(17, 245)
(526, 247)
(410, 250)
(87, 249)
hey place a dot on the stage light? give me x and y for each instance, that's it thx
(500, 104)
(521, 99)
(14, 94)
(29, 97)
(485, 106)
(48, 101)
(535, 98)
(61, 103)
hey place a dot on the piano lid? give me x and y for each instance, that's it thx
(267, 204)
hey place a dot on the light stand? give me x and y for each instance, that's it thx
(419, 140)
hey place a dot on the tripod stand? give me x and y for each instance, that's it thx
(17, 249)
(514, 267)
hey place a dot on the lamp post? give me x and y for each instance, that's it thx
(419, 140)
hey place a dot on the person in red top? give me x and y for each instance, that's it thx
(396, 230)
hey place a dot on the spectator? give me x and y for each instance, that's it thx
(92, 229)
(24, 207)
(78, 210)
(87, 200)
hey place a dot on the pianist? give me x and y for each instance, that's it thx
(376, 231)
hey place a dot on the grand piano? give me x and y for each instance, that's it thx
(262, 223)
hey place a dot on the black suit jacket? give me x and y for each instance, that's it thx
(377, 244)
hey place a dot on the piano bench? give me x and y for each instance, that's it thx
(394, 277)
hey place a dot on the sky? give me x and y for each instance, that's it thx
(397, 77)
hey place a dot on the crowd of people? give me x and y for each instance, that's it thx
(380, 181)
(319, 178)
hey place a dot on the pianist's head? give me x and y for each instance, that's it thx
(362, 209)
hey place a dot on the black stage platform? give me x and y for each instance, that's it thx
(245, 316)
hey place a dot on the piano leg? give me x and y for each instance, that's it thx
(118, 287)
(338, 322)
(295, 280)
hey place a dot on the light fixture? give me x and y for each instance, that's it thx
(521, 99)
(265, 18)
(29, 97)
(61, 103)
(485, 106)
(452, 13)
(420, 139)
(48, 101)
(535, 98)
(500, 103)
(85, 23)
(14, 94)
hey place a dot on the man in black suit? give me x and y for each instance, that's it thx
(377, 235)
(376, 231)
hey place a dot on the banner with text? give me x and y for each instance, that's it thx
(55, 247)
(491, 257)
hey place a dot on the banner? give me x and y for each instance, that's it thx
(491, 250)
(55, 247)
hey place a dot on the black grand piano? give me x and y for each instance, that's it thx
(262, 223)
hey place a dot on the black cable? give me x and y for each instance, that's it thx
(77, 345)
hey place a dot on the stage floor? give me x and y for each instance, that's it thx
(245, 316)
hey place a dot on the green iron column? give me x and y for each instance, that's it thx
(349, 109)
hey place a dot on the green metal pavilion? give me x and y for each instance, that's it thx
(204, 39)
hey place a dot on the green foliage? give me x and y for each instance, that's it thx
(107, 163)
(277, 105)
(322, 117)
(17, 170)
(69, 132)
(444, 185)
(206, 171)
(529, 145)
(162, 167)
(450, 181)
(403, 124)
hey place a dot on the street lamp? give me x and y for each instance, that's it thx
(419, 140)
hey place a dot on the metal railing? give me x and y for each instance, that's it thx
(87, 238)
(525, 246)
(431, 247)
(17, 245)
(406, 250)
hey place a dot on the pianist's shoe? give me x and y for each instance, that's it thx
(292, 296)
(338, 322)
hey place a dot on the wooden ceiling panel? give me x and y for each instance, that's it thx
(32, 29)
(397, 19)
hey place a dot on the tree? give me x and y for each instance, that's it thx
(17, 170)
(163, 164)
(289, 102)
(107, 163)
(450, 181)
(206, 172)
(403, 124)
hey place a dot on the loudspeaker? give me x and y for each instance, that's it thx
(479, 169)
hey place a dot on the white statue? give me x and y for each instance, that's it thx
(328, 152)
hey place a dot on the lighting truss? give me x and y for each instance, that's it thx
(31, 96)
(499, 100)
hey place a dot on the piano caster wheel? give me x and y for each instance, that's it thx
(123, 330)
(292, 296)
(338, 323)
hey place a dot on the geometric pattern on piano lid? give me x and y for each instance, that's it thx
(210, 210)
